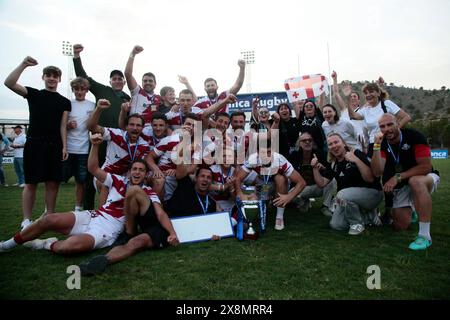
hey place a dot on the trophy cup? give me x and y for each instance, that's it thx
(248, 213)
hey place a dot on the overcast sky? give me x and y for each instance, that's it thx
(404, 41)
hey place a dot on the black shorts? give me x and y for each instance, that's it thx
(42, 160)
(150, 225)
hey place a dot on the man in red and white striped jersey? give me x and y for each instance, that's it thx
(89, 230)
(273, 171)
(211, 88)
(123, 146)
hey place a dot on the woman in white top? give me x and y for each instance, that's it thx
(334, 124)
(377, 105)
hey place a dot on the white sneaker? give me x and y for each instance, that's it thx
(25, 223)
(3, 249)
(39, 244)
(22, 185)
(356, 229)
(279, 224)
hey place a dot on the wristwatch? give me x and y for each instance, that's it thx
(398, 177)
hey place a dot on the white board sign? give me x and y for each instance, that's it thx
(202, 227)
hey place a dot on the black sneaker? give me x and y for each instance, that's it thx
(94, 266)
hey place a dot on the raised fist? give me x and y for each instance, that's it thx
(29, 61)
(126, 107)
(103, 104)
(96, 138)
(137, 50)
(77, 48)
(183, 80)
(334, 75)
(231, 98)
(241, 63)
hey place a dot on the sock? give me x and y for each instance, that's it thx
(25, 223)
(9, 244)
(424, 230)
(280, 213)
(51, 247)
(18, 238)
(48, 245)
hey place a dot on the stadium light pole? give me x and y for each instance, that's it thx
(67, 50)
(249, 58)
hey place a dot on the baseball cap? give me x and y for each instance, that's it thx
(116, 72)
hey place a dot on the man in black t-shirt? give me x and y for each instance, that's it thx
(191, 197)
(403, 157)
(46, 137)
(358, 190)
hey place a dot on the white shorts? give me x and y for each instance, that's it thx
(403, 197)
(225, 205)
(103, 228)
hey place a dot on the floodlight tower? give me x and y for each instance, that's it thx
(67, 50)
(249, 58)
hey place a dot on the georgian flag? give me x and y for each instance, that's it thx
(305, 87)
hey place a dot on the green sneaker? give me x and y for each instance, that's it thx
(420, 243)
(414, 217)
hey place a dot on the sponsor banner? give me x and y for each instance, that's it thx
(439, 154)
(267, 99)
(8, 160)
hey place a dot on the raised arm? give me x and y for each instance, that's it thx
(131, 81)
(92, 123)
(79, 70)
(340, 102)
(255, 104)
(377, 163)
(240, 79)
(93, 166)
(124, 110)
(13, 77)
(230, 98)
(185, 81)
(402, 118)
(320, 180)
(354, 115)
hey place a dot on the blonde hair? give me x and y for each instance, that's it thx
(79, 82)
(330, 157)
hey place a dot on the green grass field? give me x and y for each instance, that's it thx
(305, 261)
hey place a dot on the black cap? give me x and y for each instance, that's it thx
(114, 72)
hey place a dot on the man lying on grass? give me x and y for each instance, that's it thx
(97, 229)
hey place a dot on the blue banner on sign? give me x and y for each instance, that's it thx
(439, 153)
(270, 100)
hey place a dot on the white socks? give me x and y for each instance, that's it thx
(280, 213)
(424, 230)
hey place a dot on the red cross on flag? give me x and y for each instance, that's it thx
(305, 87)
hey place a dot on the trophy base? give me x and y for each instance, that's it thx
(253, 236)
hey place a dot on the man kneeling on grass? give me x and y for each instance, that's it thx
(89, 230)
